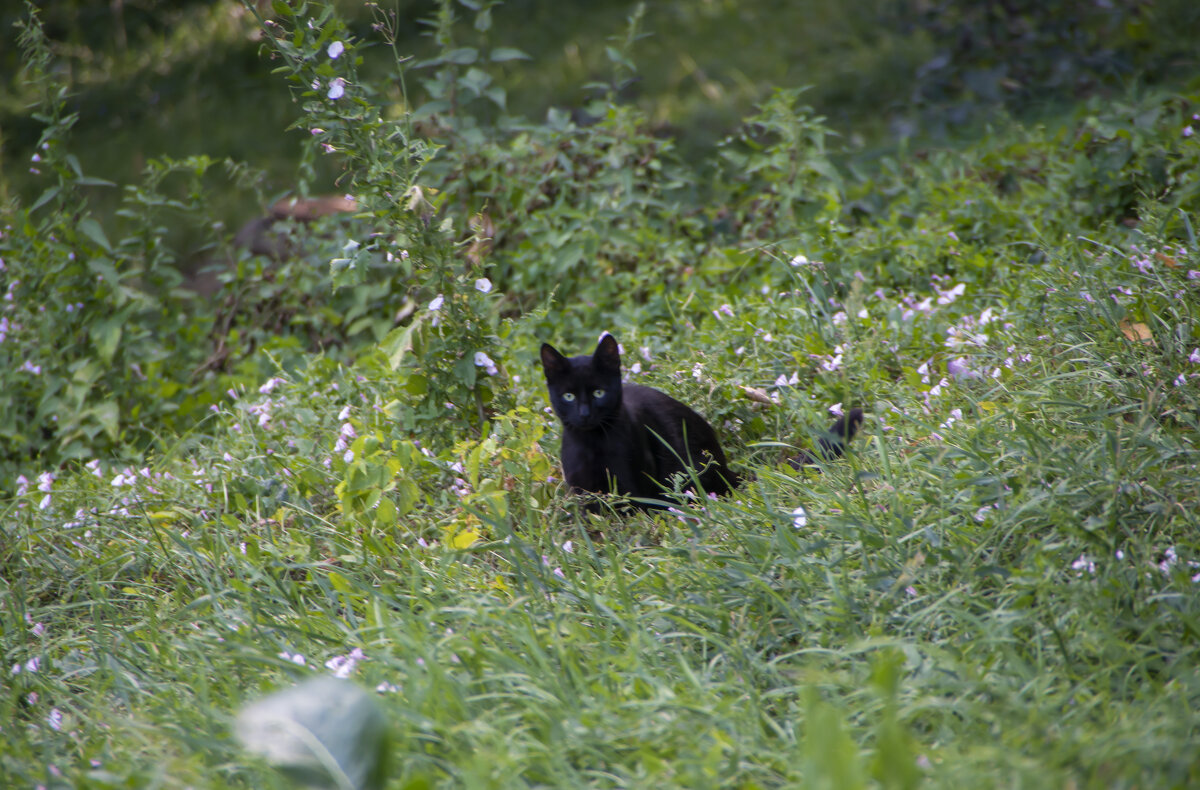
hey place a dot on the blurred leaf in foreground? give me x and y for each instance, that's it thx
(322, 733)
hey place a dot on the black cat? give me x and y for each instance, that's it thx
(833, 443)
(631, 440)
(625, 438)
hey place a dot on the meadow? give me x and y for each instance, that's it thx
(341, 460)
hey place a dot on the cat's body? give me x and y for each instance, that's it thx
(625, 438)
(632, 440)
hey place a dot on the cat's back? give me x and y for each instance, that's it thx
(639, 396)
(668, 417)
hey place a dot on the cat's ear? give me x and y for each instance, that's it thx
(608, 354)
(554, 363)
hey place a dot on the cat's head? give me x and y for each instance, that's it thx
(586, 390)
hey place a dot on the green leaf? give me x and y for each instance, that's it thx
(107, 336)
(109, 417)
(463, 56)
(502, 54)
(416, 385)
(91, 228)
(476, 80)
(44, 198)
(339, 583)
(386, 514)
(497, 96)
(465, 372)
(322, 733)
(398, 343)
(91, 181)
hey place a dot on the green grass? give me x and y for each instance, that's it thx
(998, 586)
(997, 606)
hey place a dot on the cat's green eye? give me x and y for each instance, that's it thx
(568, 396)
(597, 393)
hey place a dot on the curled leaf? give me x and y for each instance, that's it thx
(1136, 332)
(757, 395)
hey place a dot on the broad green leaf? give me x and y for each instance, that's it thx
(108, 415)
(340, 583)
(106, 335)
(465, 539)
(497, 95)
(91, 228)
(322, 733)
(502, 54)
(463, 56)
(44, 198)
(398, 343)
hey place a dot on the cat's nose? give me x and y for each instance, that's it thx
(584, 411)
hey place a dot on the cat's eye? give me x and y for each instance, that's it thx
(597, 394)
(568, 396)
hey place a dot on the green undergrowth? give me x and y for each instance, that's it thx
(355, 471)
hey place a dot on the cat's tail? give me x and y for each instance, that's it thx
(833, 443)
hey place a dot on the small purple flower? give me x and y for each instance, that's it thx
(271, 384)
(832, 363)
(335, 50)
(343, 666)
(482, 360)
(960, 368)
(1083, 563)
(948, 297)
(337, 88)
